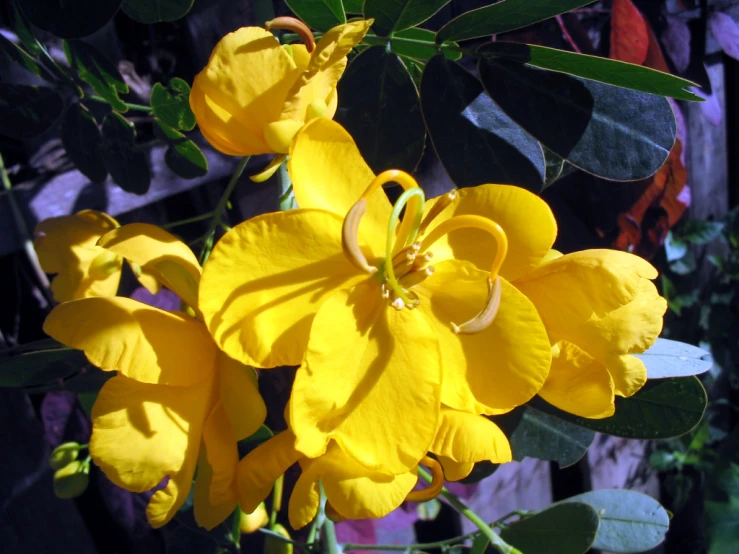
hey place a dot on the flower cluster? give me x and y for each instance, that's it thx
(410, 321)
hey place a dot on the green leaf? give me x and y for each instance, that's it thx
(127, 165)
(184, 540)
(319, 14)
(701, 231)
(183, 156)
(396, 15)
(353, 6)
(20, 26)
(69, 18)
(567, 528)
(428, 511)
(545, 437)
(28, 111)
(381, 110)
(504, 16)
(612, 132)
(662, 409)
(612, 72)
(722, 526)
(156, 11)
(555, 166)
(670, 358)
(475, 140)
(172, 104)
(38, 363)
(97, 71)
(83, 142)
(629, 521)
(14, 54)
(414, 43)
(675, 248)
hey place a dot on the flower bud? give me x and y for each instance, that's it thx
(63, 455)
(253, 521)
(276, 546)
(71, 480)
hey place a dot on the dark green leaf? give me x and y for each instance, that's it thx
(19, 24)
(475, 140)
(184, 540)
(127, 164)
(555, 166)
(701, 231)
(662, 409)
(545, 437)
(504, 16)
(83, 142)
(172, 104)
(582, 120)
(568, 528)
(480, 545)
(414, 43)
(156, 11)
(183, 156)
(97, 71)
(27, 111)
(319, 14)
(395, 15)
(685, 265)
(14, 54)
(353, 6)
(722, 526)
(629, 521)
(675, 248)
(612, 72)
(39, 363)
(381, 110)
(669, 358)
(69, 18)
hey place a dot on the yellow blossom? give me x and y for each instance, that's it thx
(255, 94)
(356, 492)
(177, 401)
(384, 337)
(67, 246)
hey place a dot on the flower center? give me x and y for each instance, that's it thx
(408, 255)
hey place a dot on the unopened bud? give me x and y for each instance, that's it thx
(252, 522)
(71, 480)
(63, 454)
(274, 545)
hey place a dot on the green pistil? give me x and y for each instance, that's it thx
(414, 211)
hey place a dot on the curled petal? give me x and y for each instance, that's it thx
(465, 437)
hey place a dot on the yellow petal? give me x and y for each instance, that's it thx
(499, 368)
(159, 253)
(578, 383)
(600, 300)
(465, 437)
(265, 280)
(527, 220)
(305, 498)
(142, 433)
(629, 374)
(141, 342)
(165, 503)
(455, 471)
(260, 468)
(371, 381)
(242, 89)
(242, 402)
(66, 246)
(207, 514)
(222, 456)
(329, 173)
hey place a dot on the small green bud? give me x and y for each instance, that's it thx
(71, 480)
(250, 523)
(63, 455)
(276, 546)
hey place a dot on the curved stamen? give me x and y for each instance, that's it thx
(411, 229)
(486, 316)
(437, 483)
(439, 206)
(296, 26)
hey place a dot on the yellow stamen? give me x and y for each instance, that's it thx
(270, 170)
(350, 236)
(296, 26)
(486, 316)
(439, 206)
(434, 488)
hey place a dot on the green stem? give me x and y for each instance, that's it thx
(22, 228)
(372, 40)
(236, 528)
(188, 220)
(276, 501)
(279, 537)
(218, 212)
(138, 107)
(485, 529)
(329, 535)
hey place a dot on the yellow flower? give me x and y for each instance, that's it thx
(255, 94)
(356, 492)
(311, 286)
(177, 401)
(67, 246)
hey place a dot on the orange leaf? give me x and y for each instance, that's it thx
(629, 33)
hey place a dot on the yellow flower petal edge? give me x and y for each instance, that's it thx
(465, 437)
